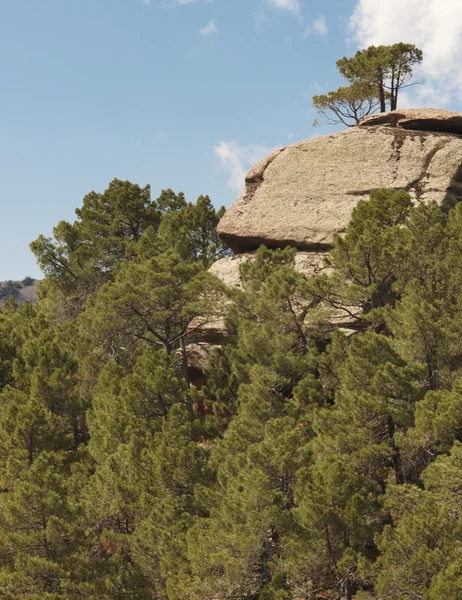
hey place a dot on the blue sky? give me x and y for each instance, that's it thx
(186, 94)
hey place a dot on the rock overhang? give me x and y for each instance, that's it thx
(431, 120)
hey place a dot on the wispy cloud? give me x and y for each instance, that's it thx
(209, 28)
(290, 5)
(317, 27)
(237, 160)
(435, 26)
(320, 26)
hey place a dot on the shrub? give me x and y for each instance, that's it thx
(8, 289)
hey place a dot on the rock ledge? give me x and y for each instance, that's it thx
(418, 119)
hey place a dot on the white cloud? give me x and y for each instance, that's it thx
(434, 26)
(290, 5)
(320, 26)
(317, 27)
(237, 160)
(210, 28)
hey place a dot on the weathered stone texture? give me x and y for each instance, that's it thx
(303, 194)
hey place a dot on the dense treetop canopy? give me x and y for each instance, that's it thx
(316, 462)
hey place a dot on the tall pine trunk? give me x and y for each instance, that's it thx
(383, 106)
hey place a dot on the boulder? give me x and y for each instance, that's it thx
(303, 194)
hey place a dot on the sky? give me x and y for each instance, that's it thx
(181, 94)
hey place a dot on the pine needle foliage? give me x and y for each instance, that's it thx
(322, 458)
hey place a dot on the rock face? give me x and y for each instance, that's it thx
(303, 194)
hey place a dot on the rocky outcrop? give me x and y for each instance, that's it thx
(303, 194)
(419, 119)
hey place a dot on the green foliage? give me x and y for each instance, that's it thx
(421, 551)
(9, 289)
(376, 75)
(116, 227)
(322, 457)
(28, 281)
(388, 68)
(195, 225)
(348, 104)
(83, 255)
(366, 261)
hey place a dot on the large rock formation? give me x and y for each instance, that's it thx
(302, 194)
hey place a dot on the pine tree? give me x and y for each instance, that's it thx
(421, 550)
(366, 261)
(236, 550)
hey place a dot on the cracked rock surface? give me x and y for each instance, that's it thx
(303, 194)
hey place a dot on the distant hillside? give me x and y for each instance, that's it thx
(20, 290)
